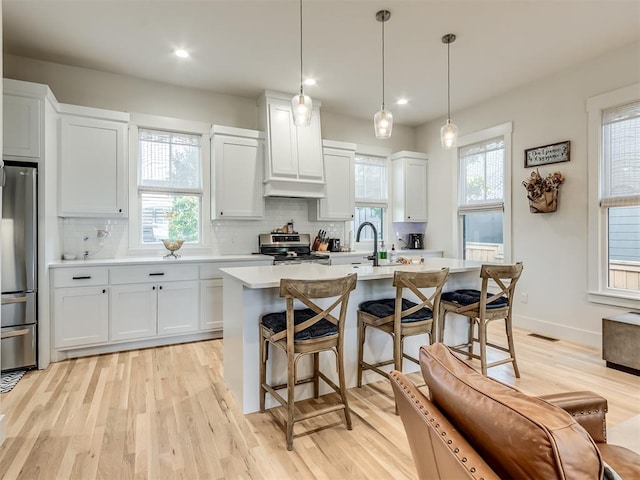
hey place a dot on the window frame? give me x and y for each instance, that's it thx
(505, 131)
(385, 155)
(598, 290)
(167, 124)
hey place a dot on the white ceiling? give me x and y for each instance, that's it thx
(242, 47)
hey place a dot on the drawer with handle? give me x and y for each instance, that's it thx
(79, 276)
(153, 273)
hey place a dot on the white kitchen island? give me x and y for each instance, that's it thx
(249, 292)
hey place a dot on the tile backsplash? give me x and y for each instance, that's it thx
(109, 238)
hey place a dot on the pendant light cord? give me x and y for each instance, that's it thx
(301, 83)
(448, 82)
(383, 22)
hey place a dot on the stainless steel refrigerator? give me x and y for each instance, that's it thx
(19, 266)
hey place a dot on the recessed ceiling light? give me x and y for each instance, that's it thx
(309, 81)
(181, 52)
(402, 101)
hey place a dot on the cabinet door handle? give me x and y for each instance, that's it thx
(221, 213)
(153, 288)
(82, 277)
(160, 287)
(119, 210)
(104, 290)
(157, 274)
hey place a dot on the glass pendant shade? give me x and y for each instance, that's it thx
(301, 106)
(383, 124)
(449, 135)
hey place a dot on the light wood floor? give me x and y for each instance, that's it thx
(165, 413)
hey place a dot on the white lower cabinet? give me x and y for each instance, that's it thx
(211, 304)
(98, 307)
(133, 311)
(178, 310)
(82, 316)
(143, 310)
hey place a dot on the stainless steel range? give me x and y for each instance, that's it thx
(290, 248)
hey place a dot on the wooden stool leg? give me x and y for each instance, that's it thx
(361, 334)
(397, 352)
(343, 388)
(291, 386)
(470, 337)
(482, 337)
(316, 369)
(264, 349)
(441, 317)
(512, 348)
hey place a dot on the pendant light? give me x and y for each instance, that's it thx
(301, 104)
(383, 120)
(449, 131)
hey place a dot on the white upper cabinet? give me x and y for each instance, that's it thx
(237, 157)
(409, 186)
(339, 204)
(93, 163)
(21, 126)
(293, 164)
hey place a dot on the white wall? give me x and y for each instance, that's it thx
(552, 246)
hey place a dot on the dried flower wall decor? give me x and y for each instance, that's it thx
(542, 192)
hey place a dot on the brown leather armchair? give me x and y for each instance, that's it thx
(474, 427)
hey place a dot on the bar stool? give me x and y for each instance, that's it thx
(400, 317)
(481, 307)
(306, 331)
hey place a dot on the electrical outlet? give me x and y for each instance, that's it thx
(524, 297)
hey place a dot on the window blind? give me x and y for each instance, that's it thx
(169, 162)
(620, 174)
(481, 176)
(371, 179)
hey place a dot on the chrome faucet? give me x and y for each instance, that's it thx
(373, 257)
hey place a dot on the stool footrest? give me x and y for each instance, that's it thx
(374, 367)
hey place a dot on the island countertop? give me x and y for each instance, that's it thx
(269, 276)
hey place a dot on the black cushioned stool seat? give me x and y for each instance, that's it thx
(277, 322)
(385, 307)
(467, 297)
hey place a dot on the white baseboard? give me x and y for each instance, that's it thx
(2, 428)
(561, 332)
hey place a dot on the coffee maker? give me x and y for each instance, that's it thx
(416, 241)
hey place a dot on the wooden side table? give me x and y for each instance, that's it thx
(621, 342)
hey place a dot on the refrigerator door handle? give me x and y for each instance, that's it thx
(7, 300)
(16, 333)
(4, 175)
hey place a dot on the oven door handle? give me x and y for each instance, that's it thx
(16, 333)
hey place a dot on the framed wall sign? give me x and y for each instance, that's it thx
(554, 153)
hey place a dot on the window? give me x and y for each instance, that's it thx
(371, 194)
(483, 160)
(169, 186)
(169, 183)
(614, 150)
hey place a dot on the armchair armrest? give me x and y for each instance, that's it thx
(587, 408)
